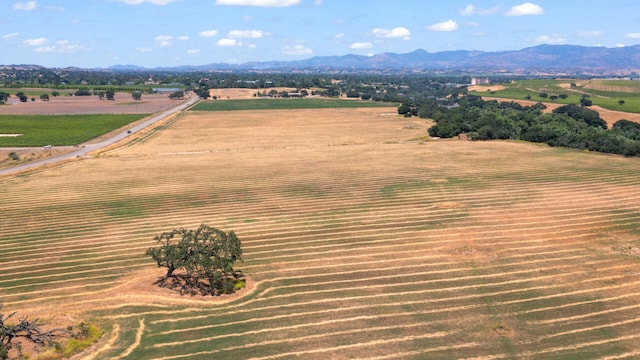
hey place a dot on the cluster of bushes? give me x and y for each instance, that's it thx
(570, 126)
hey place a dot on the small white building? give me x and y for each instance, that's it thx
(480, 81)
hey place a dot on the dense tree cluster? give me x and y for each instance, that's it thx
(571, 126)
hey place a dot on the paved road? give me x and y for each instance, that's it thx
(85, 149)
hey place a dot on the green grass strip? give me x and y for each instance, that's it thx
(59, 130)
(277, 104)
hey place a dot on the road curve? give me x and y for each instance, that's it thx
(85, 149)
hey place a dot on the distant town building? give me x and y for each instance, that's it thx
(479, 81)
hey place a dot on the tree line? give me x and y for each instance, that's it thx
(572, 126)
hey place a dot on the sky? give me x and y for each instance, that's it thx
(155, 33)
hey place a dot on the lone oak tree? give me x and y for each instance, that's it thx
(205, 256)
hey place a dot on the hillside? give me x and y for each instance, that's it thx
(542, 58)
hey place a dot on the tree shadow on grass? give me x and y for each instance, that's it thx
(186, 284)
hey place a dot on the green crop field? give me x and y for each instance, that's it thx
(358, 242)
(275, 104)
(605, 93)
(59, 130)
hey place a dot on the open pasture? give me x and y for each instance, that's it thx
(604, 93)
(359, 242)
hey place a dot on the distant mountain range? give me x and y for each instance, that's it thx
(542, 59)
(538, 59)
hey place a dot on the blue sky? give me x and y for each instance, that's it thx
(151, 33)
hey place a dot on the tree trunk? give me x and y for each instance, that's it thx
(169, 272)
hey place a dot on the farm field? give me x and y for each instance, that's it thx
(360, 239)
(603, 93)
(283, 103)
(59, 130)
(83, 105)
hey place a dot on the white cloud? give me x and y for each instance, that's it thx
(246, 34)
(317, 2)
(61, 46)
(468, 10)
(208, 33)
(556, 39)
(297, 50)
(339, 36)
(590, 34)
(153, 2)
(143, 50)
(633, 35)
(252, 46)
(259, 3)
(164, 40)
(183, 38)
(361, 45)
(36, 42)
(10, 36)
(29, 5)
(229, 42)
(525, 9)
(474, 10)
(445, 26)
(399, 32)
(193, 51)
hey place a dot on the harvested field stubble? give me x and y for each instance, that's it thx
(359, 243)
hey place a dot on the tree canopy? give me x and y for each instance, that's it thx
(204, 258)
(571, 126)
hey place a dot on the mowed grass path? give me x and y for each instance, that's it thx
(360, 243)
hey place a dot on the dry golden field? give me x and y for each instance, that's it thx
(361, 238)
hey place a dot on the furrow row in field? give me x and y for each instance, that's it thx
(248, 229)
(114, 262)
(244, 308)
(384, 295)
(591, 188)
(275, 196)
(356, 345)
(600, 206)
(299, 339)
(592, 182)
(367, 251)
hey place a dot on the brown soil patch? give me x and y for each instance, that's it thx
(70, 105)
(550, 106)
(486, 88)
(611, 116)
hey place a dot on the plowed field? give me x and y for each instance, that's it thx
(359, 242)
